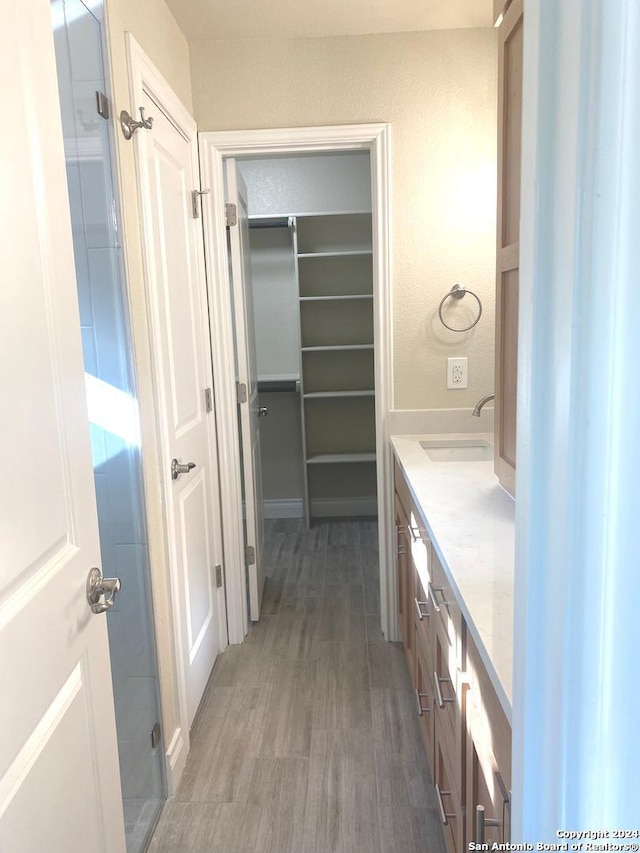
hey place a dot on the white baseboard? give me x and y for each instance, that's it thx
(329, 507)
(176, 759)
(284, 508)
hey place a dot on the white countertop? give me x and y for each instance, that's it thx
(470, 520)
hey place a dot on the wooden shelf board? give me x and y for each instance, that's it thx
(346, 253)
(339, 458)
(338, 348)
(319, 395)
(342, 297)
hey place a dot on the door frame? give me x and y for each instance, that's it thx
(144, 76)
(215, 146)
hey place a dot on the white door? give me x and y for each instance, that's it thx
(179, 319)
(59, 777)
(240, 263)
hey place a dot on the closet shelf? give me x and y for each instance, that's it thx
(338, 348)
(339, 458)
(319, 395)
(343, 297)
(344, 253)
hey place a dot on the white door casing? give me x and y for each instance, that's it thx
(247, 374)
(215, 148)
(167, 162)
(59, 776)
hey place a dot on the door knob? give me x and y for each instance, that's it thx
(101, 592)
(178, 468)
(262, 411)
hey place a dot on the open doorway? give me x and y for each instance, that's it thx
(347, 237)
(300, 247)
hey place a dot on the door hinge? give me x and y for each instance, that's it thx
(208, 400)
(218, 576)
(241, 392)
(102, 104)
(195, 202)
(156, 734)
(231, 214)
(250, 555)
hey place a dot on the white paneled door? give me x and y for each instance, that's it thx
(177, 294)
(59, 777)
(250, 411)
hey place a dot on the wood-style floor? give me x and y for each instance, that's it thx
(307, 738)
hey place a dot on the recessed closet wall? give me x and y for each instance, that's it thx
(312, 291)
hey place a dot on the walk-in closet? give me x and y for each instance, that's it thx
(312, 281)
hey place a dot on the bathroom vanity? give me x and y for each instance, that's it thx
(454, 564)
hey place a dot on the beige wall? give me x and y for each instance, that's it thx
(438, 91)
(152, 24)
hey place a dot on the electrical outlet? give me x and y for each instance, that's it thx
(457, 372)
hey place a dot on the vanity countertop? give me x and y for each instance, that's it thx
(470, 520)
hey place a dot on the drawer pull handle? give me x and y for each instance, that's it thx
(431, 589)
(419, 697)
(482, 822)
(444, 815)
(419, 606)
(437, 681)
(415, 532)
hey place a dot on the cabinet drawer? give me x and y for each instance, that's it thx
(487, 723)
(402, 490)
(489, 802)
(423, 613)
(425, 706)
(447, 614)
(449, 804)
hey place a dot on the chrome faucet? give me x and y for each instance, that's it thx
(480, 404)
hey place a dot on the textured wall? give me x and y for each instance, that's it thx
(154, 27)
(438, 91)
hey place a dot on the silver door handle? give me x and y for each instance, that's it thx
(178, 468)
(101, 592)
(262, 411)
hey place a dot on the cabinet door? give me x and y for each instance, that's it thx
(405, 622)
(508, 248)
(489, 811)
(425, 705)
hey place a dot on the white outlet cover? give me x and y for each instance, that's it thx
(457, 373)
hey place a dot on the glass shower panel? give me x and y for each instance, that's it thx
(113, 412)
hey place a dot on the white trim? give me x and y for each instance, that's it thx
(214, 147)
(176, 759)
(284, 508)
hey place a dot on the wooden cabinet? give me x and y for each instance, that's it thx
(466, 736)
(508, 244)
(488, 757)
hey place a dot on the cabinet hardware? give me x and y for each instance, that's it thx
(415, 532)
(419, 606)
(444, 816)
(399, 550)
(482, 822)
(440, 699)
(431, 589)
(419, 697)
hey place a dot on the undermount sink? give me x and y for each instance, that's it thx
(458, 449)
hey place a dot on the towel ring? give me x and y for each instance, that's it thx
(458, 292)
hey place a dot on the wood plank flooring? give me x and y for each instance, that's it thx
(307, 738)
